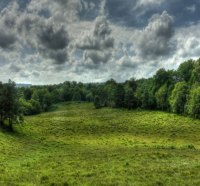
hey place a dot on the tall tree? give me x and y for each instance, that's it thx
(119, 96)
(129, 98)
(161, 97)
(97, 102)
(184, 71)
(178, 97)
(195, 77)
(193, 104)
(10, 104)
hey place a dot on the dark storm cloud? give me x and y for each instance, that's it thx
(54, 42)
(54, 39)
(59, 56)
(97, 56)
(6, 39)
(153, 41)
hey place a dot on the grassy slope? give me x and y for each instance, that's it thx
(78, 145)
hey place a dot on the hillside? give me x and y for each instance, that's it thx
(76, 144)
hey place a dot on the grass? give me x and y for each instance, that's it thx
(78, 145)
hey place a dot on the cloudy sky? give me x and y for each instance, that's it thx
(48, 41)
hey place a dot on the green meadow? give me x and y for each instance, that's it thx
(76, 144)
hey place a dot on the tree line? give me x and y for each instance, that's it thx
(176, 91)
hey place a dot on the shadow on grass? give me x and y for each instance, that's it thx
(14, 131)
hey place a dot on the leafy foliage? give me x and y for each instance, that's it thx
(193, 105)
(9, 104)
(178, 97)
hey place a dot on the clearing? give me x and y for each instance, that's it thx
(78, 145)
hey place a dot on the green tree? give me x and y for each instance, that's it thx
(161, 97)
(195, 77)
(193, 104)
(97, 102)
(119, 96)
(129, 98)
(46, 101)
(76, 95)
(178, 97)
(184, 71)
(10, 104)
(35, 107)
(28, 93)
(160, 78)
(110, 90)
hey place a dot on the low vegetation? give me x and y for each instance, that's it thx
(76, 144)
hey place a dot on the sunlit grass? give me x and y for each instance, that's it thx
(78, 145)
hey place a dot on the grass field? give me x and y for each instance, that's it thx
(78, 145)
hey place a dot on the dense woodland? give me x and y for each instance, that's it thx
(176, 91)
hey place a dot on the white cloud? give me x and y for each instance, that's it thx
(191, 8)
(148, 2)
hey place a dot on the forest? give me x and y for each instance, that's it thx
(175, 91)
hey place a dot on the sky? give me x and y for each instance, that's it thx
(49, 42)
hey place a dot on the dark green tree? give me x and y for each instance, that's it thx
(119, 96)
(184, 71)
(129, 98)
(10, 104)
(97, 102)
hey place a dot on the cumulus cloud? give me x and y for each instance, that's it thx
(7, 27)
(154, 40)
(100, 38)
(53, 42)
(98, 44)
(32, 32)
(188, 42)
(95, 40)
(95, 57)
(145, 3)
